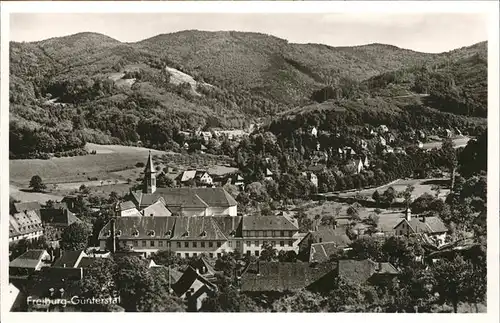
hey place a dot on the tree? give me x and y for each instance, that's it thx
(367, 248)
(75, 236)
(353, 213)
(84, 189)
(37, 184)
(407, 195)
(454, 280)
(300, 301)
(98, 282)
(163, 180)
(450, 159)
(389, 196)
(268, 253)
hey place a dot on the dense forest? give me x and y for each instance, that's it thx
(88, 87)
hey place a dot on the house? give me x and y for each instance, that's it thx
(314, 132)
(29, 262)
(193, 288)
(70, 259)
(323, 242)
(281, 277)
(190, 236)
(24, 207)
(420, 144)
(382, 141)
(383, 129)
(348, 152)
(322, 251)
(366, 162)
(58, 219)
(236, 180)
(127, 208)
(431, 226)
(364, 144)
(268, 175)
(200, 177)
(447, 133)
(391, 138)
(25, 225)
(311, 177)
(363, 271)
(373, 133)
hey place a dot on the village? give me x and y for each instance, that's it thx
(199, 220)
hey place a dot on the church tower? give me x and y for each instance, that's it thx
(149, 177)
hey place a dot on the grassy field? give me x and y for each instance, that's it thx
(112, 165)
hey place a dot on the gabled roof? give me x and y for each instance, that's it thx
(282, 276)
(229, 225)
(430, 224)
(267, 223)
(156, 209)
(361, 270)
(197, 228)
(215, 196)
(27, 206)
(187, 175)
(328, 234)
(24, 223)
(321, 252)
(58, 217)
(127, 205)
(69, 259)
(30, 259)
(268, 172)
(187, 279)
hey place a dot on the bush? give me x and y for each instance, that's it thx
(139, 164)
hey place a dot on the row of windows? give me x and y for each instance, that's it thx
(268, 233)
(161, 243)
(205, 244)
(194, 254)
(256, 243)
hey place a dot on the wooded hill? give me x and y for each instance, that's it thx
(89, 87)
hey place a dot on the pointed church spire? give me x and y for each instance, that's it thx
(149, 165)
(149, 177)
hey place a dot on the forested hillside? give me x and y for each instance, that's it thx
(89, 87)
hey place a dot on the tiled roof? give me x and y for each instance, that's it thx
(27, 206)
(361, 270)
(126, 226)
(87, 262)
(321, 252)
(127, 205)
(282, 276)
(328, 234)
(69, 259)
(430, 224)
(29, 259)
(267, 223)
(199, 228)
(229, 225)
(156, 209)
(187, 175)
(58, 217)
(175, 197)
(24, 223)
(215, 196)
(187, 279)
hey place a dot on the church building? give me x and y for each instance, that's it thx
(182, 201)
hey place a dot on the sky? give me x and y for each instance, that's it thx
(431, 33)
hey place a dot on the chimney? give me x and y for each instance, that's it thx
(113, 236)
